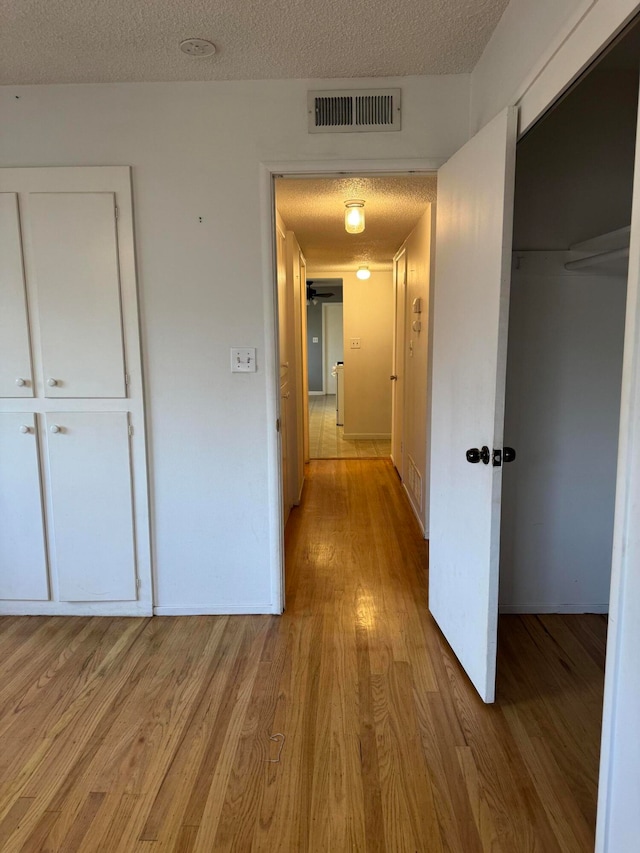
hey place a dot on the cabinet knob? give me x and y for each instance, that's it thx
(20, 382)
(24, 428)
(52, 382)
(55, 428)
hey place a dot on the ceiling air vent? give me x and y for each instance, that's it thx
(353, 111)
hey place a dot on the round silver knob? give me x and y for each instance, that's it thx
(55, 428)
(24, 428)
(52, 382)
(20, 382)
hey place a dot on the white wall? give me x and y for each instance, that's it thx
(195, 149)
(368, 315)
(417, 368)
(538, 48)
(566, 334)
(524, 34)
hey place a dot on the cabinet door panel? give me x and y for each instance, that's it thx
(23, 562)
(75, 253)
(91, 496)
(15, 356)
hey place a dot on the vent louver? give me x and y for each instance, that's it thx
(357, 110)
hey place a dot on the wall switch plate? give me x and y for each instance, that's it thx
(243, 359)
(314, 340)
(355, 343)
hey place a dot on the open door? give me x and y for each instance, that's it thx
(471, 312)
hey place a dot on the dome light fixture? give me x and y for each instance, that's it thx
(363, 272)
(354, 216)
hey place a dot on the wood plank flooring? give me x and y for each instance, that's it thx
(345, 725)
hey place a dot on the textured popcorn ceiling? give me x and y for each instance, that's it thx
(92, 41)
(314, 209)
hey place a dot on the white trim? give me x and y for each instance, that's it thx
(323, 332)
(268, 170)
(619, 784)
(78, 608)
(272, 373)
(317, 394)
(553, 608)
(367, 436)
(415, 512)
(217, 610)
(345, 168)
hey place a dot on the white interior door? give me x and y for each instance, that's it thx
(15, 357)
(92, 508)
(332, 321)
(23, 562)
(397, 374)
(473, 261)
(75, 252)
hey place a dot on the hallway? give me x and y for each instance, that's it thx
(344, 725)
(327, 441)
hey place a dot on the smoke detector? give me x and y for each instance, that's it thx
(197, 47)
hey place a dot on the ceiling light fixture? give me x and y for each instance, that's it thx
(354, 216)
(363, 272)
(197, 47)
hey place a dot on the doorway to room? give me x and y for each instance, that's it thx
(349, 370)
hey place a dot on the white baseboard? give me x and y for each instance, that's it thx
(553, 608)
(317, 394)
(415, 511)
(67, 608)
(367, 436)
(217, 610)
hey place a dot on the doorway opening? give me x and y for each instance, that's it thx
(572, 214)
(348, 335)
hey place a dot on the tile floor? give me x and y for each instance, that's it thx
(326, 440)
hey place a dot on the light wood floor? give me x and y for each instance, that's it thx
(345, 725)
(326, 439)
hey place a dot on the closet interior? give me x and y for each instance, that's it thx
(574, 179)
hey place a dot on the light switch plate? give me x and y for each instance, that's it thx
(243, 359)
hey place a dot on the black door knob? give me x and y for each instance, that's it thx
(508, 454)
(483, 455)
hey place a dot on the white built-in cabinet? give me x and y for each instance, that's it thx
(74, 526)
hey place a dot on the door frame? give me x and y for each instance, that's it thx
(269, 171)
(399, 337)
(325, 348)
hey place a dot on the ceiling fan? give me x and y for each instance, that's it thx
(313, 295)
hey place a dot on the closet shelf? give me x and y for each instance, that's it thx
(599, 259)
(606, 248)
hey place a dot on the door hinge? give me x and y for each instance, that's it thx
(138, 583)
(116, 211)
(130, 429)
(127, 379)
(278, 425)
